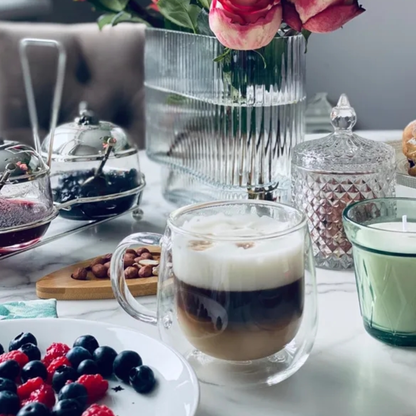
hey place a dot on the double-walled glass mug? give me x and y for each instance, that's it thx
(236, 291)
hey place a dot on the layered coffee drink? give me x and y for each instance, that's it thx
(240, 291)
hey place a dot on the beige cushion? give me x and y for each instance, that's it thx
(104, 68)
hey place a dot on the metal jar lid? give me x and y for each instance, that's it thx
(85, 139)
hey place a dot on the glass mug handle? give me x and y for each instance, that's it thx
(118, 281)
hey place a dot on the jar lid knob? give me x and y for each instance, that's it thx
(343, 116)
(86, 117)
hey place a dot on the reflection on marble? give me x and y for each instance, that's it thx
(348, 374)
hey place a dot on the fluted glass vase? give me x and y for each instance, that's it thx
(224, 127)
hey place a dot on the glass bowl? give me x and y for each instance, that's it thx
(26, 205)
(79, 148)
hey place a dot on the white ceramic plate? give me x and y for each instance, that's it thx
(177, 390)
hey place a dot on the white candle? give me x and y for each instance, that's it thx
(393, 240)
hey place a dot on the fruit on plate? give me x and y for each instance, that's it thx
(142, 379)
(66, 381)
(34, 369)
(21, 339)
(104, 357)
(124, 362)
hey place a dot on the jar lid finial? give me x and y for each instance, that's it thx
(343, 116)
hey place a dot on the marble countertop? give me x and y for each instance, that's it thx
(348, 373)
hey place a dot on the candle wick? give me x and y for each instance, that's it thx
(404, 223)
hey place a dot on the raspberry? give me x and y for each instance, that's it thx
(17, 356)
(30, 386)
(54, 365)
(44, 394)
(55, 350)
(96, 386)
(96, 410)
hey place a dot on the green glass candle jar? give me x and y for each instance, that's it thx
(383, 235)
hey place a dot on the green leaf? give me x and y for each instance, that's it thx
(180, 12)
(205, 3)
(105, 19)
(115, 5)
(203, 24)
(174, 99)
(262, 58)
(123, 17)
(98, 6)
(221, 57)
(116, 18)
(172, 26)
(306, 34)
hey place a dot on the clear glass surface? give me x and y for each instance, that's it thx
(181, 189)
(331, 173)
(26, 206)
(384, 249)
(236, 290)
(232, 123)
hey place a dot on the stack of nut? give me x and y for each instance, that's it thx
(138, 263)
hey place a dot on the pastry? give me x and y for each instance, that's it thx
(409, 146)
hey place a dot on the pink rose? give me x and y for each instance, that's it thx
(245, 24)
(319, 16)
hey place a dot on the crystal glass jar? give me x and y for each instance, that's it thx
(26, 207)
(79, 149)
(329, 174)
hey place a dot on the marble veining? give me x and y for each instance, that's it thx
(348, 374)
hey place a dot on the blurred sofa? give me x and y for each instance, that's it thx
(104, 68)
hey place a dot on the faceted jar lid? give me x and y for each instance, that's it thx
(86, 139)
(343, 151)
(20, 163)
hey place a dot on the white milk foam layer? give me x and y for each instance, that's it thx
(237, 266)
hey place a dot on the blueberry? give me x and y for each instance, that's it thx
(124, 362)
(9, 369)
(142, 379)
(1, 349)
(7, 385)
(34, 369)
(74, 391)
(88, 342)
(104, 357)
(21, 339)
(62, 375)
(76, 355)
(68, 407)
(31, 350)
(9, 403)
(87, 367)
(34, 409)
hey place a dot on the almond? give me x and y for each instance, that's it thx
(146, 262)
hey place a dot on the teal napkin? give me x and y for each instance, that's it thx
(28, 309)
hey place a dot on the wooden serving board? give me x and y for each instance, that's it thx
(60, 285)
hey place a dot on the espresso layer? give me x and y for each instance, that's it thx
(240, 325)
(231, 308)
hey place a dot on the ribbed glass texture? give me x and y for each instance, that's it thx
(231, 124)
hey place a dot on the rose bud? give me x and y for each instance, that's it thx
(245, 24)
(321, 16)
